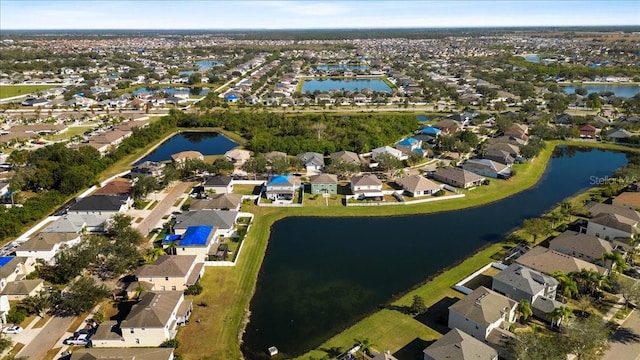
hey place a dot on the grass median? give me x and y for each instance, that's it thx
(7, 91)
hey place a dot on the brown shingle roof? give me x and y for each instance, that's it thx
(153, 310)
(167, 265)
(415, 183)
(547, 261)
(483, 306)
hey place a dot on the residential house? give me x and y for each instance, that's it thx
(180, 158)
(196, 240)
(219, 184)
(458, 177)
(282, 188)
(237, 156)
(218, 202)
(518, 131)
(409, 146)
(581, 246)
(375, 153)
(14, 268)
(507, 140)
(458, 345)
(612, 226)
(481, 311)
(549, 261)
(431, 131)
(448, 126)
(20, 289)
(101, 205)
(499, 156)
(511, 149)
(489, 168)
(313, 162)
(519, 282)
(587, 131)
(115, 187)
(628, 200)
(123, 354)
(147, 168)
(346, 156)
(417, 185)
(151, 321)
(618, 135)
(77, 223)
(171, 272)
(366, 186)
(46, 245)
(324, 184)
(224, 222)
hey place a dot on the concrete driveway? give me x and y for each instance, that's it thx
(625, 342)
(40, 341)
(163, 208)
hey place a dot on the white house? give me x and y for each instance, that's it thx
(375, 153)
(366, 186)
(46, 245)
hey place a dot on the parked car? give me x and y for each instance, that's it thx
(12, 330)
(82, 339)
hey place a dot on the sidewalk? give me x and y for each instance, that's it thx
(614, 310)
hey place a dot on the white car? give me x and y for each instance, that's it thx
(12, 330)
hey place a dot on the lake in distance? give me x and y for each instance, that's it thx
(626, 91)
(207, 143)
(324, 85)
(321, 275)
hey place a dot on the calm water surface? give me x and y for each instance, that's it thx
(344, 84)
(321, 275)
(207, 143)
(625, 91)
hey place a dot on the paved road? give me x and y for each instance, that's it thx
(47, 337)
(625, 343)
(163, 208)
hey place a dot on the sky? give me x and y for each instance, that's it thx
(310, 14)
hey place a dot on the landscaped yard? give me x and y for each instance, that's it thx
(7, 91)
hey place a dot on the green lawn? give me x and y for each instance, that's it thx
(7, 91)
(71, 132)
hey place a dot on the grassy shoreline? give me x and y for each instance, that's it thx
(231, 289)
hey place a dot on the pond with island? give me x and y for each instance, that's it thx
(207, 143)
(321, 275)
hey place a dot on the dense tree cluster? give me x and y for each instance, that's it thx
(296, 133)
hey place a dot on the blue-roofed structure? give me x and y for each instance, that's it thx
(407, 142)
(197, 240)
(408, 145)
(430, 130)
(4, 260)
(282, 188)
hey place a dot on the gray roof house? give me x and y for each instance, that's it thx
(366, 186)
(458, 345)
(312, 161)
(417, 185)
(218, 202)
(498, 155)
(101, 205)
(171, 272)
(221, 184)
(612, 226)
(458, 177)
(519, 282)
(480, 312)
(223, 221)
(147, 168)
(581, 246)
(123, 354)
(489, 168)
(619, 135)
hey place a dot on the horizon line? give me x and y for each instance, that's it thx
(336, 28)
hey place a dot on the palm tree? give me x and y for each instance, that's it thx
(365, 346)
(569, 288)
(171, 249)
(524, 309)
(555, 217)
(559, 314)
(618, 262)
(153, 254)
